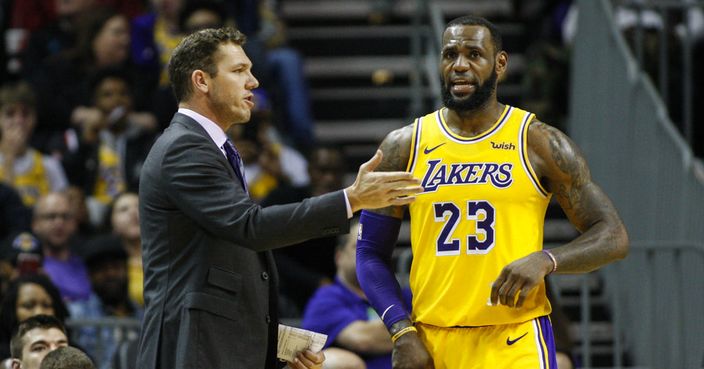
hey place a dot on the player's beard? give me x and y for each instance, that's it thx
(474, 101)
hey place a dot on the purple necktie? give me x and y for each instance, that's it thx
(236, 161)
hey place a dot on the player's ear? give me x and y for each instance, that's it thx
(501, 63)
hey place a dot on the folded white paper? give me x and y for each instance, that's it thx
(293, 340)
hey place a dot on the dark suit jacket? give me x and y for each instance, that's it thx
(210, 282)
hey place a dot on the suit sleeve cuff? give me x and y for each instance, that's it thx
(348, 206)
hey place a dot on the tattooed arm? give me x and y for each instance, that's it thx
(396, 148)
(563, 171)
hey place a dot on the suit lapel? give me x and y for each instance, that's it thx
(193, 126)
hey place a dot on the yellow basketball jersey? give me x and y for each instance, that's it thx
(482, 208)
(33, 183)
(110, 181)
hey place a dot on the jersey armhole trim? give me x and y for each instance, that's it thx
(523, 148)
(410, 166)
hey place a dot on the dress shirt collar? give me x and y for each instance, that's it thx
(214, 131)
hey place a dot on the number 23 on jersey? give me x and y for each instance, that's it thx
(481, 212)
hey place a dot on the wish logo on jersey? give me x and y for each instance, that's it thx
(439, 174)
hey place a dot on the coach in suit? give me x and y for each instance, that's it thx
(210, 282)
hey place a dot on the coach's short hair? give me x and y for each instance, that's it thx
(67, 358)
(196, 52)
(37, 321)
(471, 20)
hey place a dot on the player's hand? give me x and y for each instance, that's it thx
(519, 278)
(307, 360)
(410, 353)
(374, 190)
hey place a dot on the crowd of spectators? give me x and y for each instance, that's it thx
(83, 95)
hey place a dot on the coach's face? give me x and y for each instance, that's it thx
(230, 90)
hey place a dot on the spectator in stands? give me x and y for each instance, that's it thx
(53, 224)
(94, 153)
(23, 252)
(14, 216)
(116, 135)
(124, 222)
(107, 266)
(48, 37)
(129, 133)
(289, 87)
(26, 169)
(269, 162)
(79, 208)
(357, 337)
(67, 358)
(64, 84)
(198, 15)
(309, 265)
(35, 338)
(40, 15)
(27, 296)
(155, 34)
(644, 29)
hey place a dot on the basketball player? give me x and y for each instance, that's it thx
(488, 172)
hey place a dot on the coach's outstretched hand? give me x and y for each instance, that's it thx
(373, 190)
(410, 353)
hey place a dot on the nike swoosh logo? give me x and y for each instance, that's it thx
(510, 342)
(428, 151)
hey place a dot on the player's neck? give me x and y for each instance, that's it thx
(474, 122)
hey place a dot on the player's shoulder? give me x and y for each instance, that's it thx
(540, 128)
(396, 148)
(552, 151)
(402, 135)
(545, 137)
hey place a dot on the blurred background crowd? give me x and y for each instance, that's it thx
(84, 94)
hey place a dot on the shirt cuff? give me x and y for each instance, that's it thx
(347, 204)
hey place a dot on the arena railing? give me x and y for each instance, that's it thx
(640, 159)
(655, 298)
(666, 50)
(99, 334)
(623, 127)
